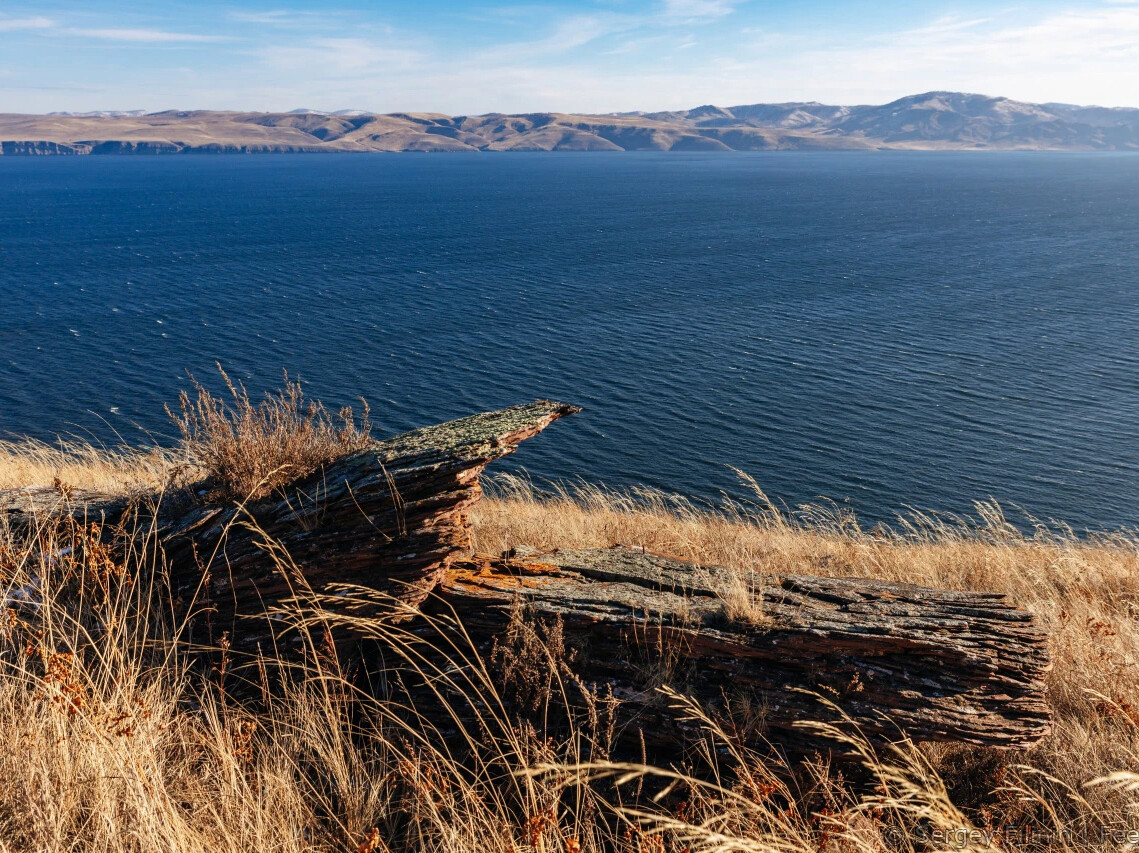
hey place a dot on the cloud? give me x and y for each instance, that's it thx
(142, 35)
(569, 33)
(50, 88)
(698, 10)
(34, 23)
(278, 17)
(948, 24)
(330, 57)
(281, 18)
(1075, 55)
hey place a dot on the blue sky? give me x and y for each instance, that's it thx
(567, 55)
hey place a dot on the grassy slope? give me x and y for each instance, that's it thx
(114, 748)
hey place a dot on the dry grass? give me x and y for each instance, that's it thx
(248, 450)
(121, 470)
(1084, 590)
(243, 449)
(117, 740)
(114, 741)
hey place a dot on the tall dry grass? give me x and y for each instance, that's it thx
(113, 470)
(116, 737)
(246, 450)
(1085, 591)
(119, 738)
(241, 448)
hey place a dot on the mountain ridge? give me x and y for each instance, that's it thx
(938, 120)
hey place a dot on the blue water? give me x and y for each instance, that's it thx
(888, 330)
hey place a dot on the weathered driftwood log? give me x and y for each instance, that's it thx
(943, 666)
(393, 518)
(390, 517)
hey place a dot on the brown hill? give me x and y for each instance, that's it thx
(935, 120)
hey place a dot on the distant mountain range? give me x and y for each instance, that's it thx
(932, 121)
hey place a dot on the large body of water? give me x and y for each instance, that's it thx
(884, 329)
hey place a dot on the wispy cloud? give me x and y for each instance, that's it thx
(569, 33)
(278, 17)
(1062, 55)
(48, 26)
(948, 24)
(330, 57)
(34, 23)
(640, 44)
(50, 88)
(130, 34)
(698, 10)
(283, 18)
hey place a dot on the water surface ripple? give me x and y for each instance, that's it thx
(886, 329)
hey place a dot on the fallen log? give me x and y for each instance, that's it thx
(390, 517)
(393, 519)
(940, 665)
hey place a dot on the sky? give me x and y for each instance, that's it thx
(459, 57)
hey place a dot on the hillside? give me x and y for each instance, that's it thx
(935, 120)
(120, 741)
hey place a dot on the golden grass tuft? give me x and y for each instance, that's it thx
(248, 450)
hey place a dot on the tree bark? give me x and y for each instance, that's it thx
(940, 665)
(390, 517)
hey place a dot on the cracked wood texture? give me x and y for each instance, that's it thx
(941, 665)
(390, 517)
